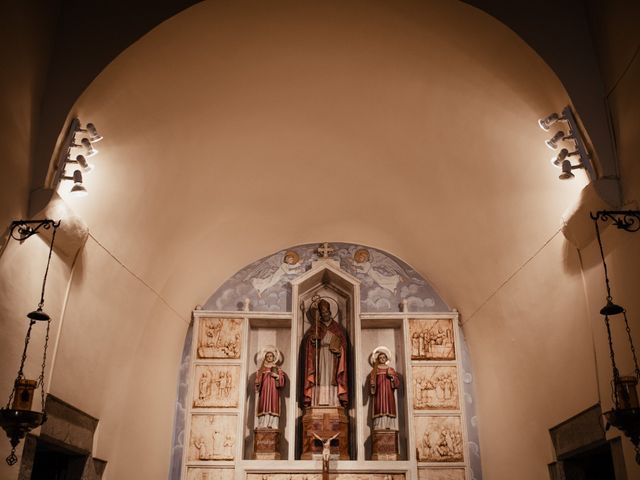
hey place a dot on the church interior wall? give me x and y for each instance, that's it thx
(26, 33)
(616, 40)
(126, 380)
(529, 382)
(117, 356)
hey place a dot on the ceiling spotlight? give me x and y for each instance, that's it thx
(552, 143)
(562, 155)
(82, 161)
(94, 136)
(546, 122)
(566, 170)
(78, 189)
(88, 147)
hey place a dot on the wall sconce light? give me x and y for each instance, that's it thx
(88, 151)
(546, 122)
(574, 135)
(552, 143)
(561, 157)
(82, 162)
(625, 414)
(17, 419)
(94, 136)
(566, 170)
(78, 189)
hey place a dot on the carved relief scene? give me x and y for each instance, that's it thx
(213, 437)
(439, 439)
(435, 387)
(323, 390)
(432, 339)
(332, 476)
(216, 386)
(441, 474)
(219, 338)
(210, 474)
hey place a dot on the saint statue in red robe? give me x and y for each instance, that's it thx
(325, 344)
(270, 379)
(383, 381)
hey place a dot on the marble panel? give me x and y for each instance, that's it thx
(439, 438)
(432, 339)
(435, 387)
(210, 474)
(441, 474)
(212, 437)
(220, 338)
(216, 386)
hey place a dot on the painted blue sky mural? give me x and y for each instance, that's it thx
(385, 281)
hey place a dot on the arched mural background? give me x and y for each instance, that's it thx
(387, 283)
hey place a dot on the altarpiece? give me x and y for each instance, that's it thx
(322, 365)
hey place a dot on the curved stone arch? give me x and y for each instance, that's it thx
(386, 281)
(101, 44)
(239, 293)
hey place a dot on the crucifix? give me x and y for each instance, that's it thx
(325, 250)
(326, 454)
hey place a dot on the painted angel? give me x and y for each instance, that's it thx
(381, 269)
(272, 270)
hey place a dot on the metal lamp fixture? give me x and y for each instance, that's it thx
(625, 414)
(78, 189)
(82, 162)
(94, 136)
(553, 142)
(573, 136)
(561, 157)
(90, 151)
(17, 419)
(566, 170)
(546, 122)
(87, 151)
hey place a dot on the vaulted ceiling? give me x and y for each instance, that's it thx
(234, 132)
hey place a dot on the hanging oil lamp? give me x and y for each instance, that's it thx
(625, 414)
(17, 418)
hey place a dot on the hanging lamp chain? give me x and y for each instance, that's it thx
(46, 272)
(616, 373)
(27, 338)
(44, 364)
(40, 305)
(604, 263)
(633, 349)
(630, 222)
(22, 361)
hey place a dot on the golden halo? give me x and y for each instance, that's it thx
(293, 255)
(364, 251)
(316, 299)
(263, 352)
(379, 349)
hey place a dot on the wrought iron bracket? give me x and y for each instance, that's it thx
(22, 229)
(627, 220)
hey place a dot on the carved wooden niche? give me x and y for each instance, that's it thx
(326, 281)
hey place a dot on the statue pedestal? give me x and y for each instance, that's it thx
(266, 444)
(384, 445)
(325, 422)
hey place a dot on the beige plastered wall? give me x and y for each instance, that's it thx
(617, 41)
(116, 340)
(25, 33)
